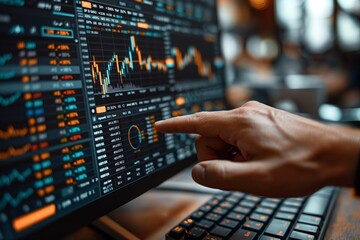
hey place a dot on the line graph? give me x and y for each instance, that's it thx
(21, 176)
(135, 62)
(4, 102)
(12, 132)
(5, 58)
(196, 58)
(14, 152)
(14, 201)
(193, 56)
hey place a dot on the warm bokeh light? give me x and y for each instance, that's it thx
(260, 4)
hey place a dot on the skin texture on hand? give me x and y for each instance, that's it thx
(265, 151)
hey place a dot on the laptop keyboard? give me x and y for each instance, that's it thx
(237, 216)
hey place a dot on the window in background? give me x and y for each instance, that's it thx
(318, 34)
(231, 45)
(289, 16)
(351, 6)
(289, 13)
(262, 48)
(319, 8)
(348, 30)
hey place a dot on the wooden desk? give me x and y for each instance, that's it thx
(345, 221)
(153, 214)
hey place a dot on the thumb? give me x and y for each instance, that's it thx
(249, 177)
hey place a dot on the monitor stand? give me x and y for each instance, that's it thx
(113, 229)
(152, 214)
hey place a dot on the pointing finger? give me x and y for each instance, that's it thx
(208, 124)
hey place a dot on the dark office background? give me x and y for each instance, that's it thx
(299, 55)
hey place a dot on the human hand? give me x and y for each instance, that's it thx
(265, 151)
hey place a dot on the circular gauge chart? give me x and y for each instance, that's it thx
(134, 137)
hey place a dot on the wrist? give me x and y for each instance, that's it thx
(345, 154)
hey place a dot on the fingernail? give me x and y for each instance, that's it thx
(198, 173)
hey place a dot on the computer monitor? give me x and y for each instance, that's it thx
(81, 85)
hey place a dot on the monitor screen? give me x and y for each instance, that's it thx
(81, 85)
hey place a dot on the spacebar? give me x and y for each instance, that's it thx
(316, 206)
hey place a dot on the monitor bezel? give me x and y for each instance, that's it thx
(62, 226)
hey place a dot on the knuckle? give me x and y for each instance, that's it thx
(201, 122)
(251, 110)
(198, 117)
(251, 103)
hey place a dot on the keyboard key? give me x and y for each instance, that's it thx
(177, 232)
(233, 199)
(205, 208)
(288, 209)
(236, 216)
(197, 215)
(213, 202)
(221, 231)
(242, 234)
(229, 223)
(326, 191)
(213, 217)
(238, 194)
(253, 225)
(248, 204)
(274, 200)
(292, 203)
(187, 223)
(269, 238)
(298, 199)
(219, 197)
(220, 210)
(259, 217)
(285, 216)
(316, 206)
(195, 233)
(205, 224)
(262, 210)
(243, 210)
(212, 237)
(227, 204)
(301, 236)
(277, 227)
(253, 198)
(309, 219)
(306, 228)
(268, 204)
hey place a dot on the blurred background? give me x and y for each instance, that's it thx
(299, 55)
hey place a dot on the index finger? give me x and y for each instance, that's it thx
(208, 124)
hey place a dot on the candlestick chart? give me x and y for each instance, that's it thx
(133, 62)
(133, 68)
